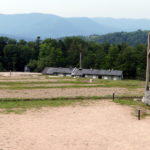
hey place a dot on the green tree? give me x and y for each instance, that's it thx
(49, 56)
(111, 58)
(127, 62)
(11, 57)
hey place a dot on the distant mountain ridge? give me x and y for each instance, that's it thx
(29, 26)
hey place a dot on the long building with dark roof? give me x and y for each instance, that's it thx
(91, 73)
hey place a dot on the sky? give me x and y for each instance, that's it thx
(79, 8)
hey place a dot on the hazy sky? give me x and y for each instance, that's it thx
(75, 8)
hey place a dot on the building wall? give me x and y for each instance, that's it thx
(111, 78)
(105, 77)
(68, 75)
(117, 78)
(91, 76)
(62, 75)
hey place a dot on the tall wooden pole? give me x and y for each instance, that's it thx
(148, 63)
(146, 98)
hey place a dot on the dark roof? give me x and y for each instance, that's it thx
(81, 72)
(50, 71)
(111, 72)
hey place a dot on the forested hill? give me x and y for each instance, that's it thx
(131, 38)
(15, 55)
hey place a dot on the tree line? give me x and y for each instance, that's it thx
(15, 55)
(131, 38)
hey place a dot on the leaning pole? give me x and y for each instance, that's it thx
(146, 98)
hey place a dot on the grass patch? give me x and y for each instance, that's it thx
(122, 83)
(37, 104)
(79, 82)
(130, 102)
(54, 99)
(9, 105)
(13, 105)
(49, 87)
(137, 105)
(22, 106)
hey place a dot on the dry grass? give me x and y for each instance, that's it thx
(33, 85)
(65, 92)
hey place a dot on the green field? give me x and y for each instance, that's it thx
(75, 83)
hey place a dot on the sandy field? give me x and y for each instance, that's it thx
(102, 125)
(8, 74)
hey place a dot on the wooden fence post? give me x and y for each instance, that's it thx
(113, 96)
(139, 114)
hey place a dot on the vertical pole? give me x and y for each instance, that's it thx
(113, 96)
(148, 64)
(80, 60)
(139, 114)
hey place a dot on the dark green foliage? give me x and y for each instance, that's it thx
(131, 38)
(37, 55)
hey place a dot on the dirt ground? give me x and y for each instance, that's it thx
(8, 74)
(53, 92)
(102, 125)
(66, 92)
